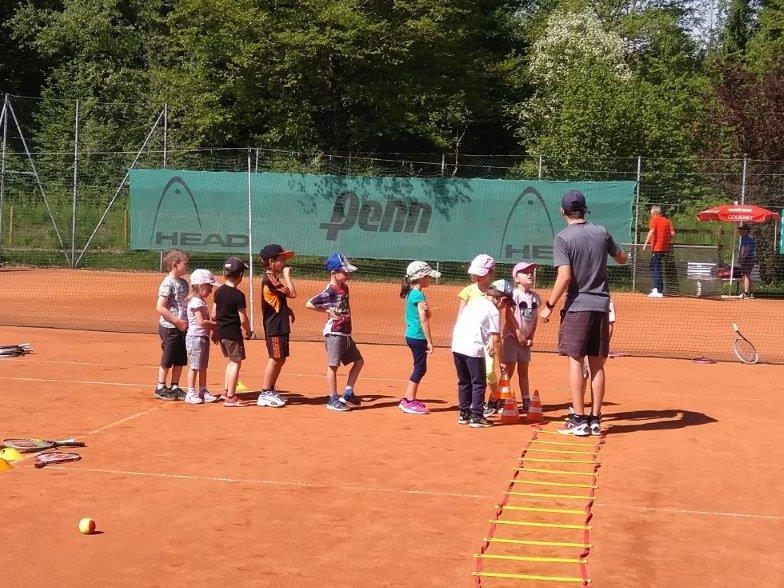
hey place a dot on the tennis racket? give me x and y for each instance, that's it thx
(33, 445)
(46, 459)
(744, 348)
(15, 350)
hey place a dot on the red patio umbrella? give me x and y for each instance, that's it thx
(737, 213)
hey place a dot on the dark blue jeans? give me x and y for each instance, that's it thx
(657, 260)
(470, 383)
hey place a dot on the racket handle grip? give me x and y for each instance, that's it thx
(39, 465)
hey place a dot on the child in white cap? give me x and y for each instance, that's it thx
(419, 339)
(477, 334)
(520, 327)
(197, 341)
(481, 271)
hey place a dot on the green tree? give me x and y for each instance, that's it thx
(737, 30)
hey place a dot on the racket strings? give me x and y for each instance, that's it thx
(745, 351)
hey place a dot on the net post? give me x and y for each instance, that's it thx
(74, 189)
(251, 303)
(4, 119)
(635, 241)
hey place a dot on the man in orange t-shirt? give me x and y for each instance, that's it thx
(660, 237)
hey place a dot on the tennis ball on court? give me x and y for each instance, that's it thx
(86, 526)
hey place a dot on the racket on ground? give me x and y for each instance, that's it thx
(33, 445)
(744, 348)
(15, 350)
(54, 457)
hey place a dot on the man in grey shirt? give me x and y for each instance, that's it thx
(580, 253)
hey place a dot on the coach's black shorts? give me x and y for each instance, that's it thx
(173, 346)
(278, 346)
(584, 333)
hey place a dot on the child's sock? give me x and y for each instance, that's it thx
(348, 391)
(161, 385)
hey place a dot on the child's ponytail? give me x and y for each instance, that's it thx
(405, 287)
(193, 292)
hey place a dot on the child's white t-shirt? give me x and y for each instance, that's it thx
(194, 328)
(479, 319)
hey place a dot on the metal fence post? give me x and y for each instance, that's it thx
(165, 133)
(250, 241)
(743, 181)
(540, 166)
(4, 117)
(636, 241)
(75, 178)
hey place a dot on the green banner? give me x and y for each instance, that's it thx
(444, 219)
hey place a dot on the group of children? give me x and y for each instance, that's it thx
(496, 323)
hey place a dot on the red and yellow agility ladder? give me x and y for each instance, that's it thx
(545, 481)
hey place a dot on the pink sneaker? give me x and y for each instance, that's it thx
(233, 401)
(413, 407)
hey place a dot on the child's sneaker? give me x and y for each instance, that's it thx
(525, 405)
(413, 407)
(480, 423)
(335, 404)
(208, 398)
(165, 393)
(233, 401)
(350, 400)
(576, 425)
(492, 407)
(270, 398)
(193, 397)
(463, 418)
(178, 392)
(595, 425)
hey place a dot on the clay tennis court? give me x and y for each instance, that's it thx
(688, 488)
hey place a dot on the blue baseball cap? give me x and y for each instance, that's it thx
(337, 262)
(574, 201)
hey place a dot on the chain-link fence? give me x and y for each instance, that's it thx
(67, 206)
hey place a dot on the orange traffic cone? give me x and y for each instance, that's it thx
(510, 416)
(504, 389)
(535, 415)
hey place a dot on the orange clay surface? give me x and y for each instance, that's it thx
(689, 485)
(125, 301)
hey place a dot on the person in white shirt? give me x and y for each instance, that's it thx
(477, 330)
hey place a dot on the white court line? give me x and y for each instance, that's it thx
(742, 515)
(62, 381)
(434, 493)
(124, 420)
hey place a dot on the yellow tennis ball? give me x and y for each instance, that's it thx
(86, 526)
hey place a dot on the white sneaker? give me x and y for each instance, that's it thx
(270, 398)
(207, 397)
(655, 294)
(192, 397)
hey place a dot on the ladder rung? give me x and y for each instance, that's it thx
(561, 443)
(545, 525)
(533, 558)
(557, 484)
(544, 495)
(555, 460)
(557, 472)
(573, 511)
(532, 577)
(561, 451)
(537, 542)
